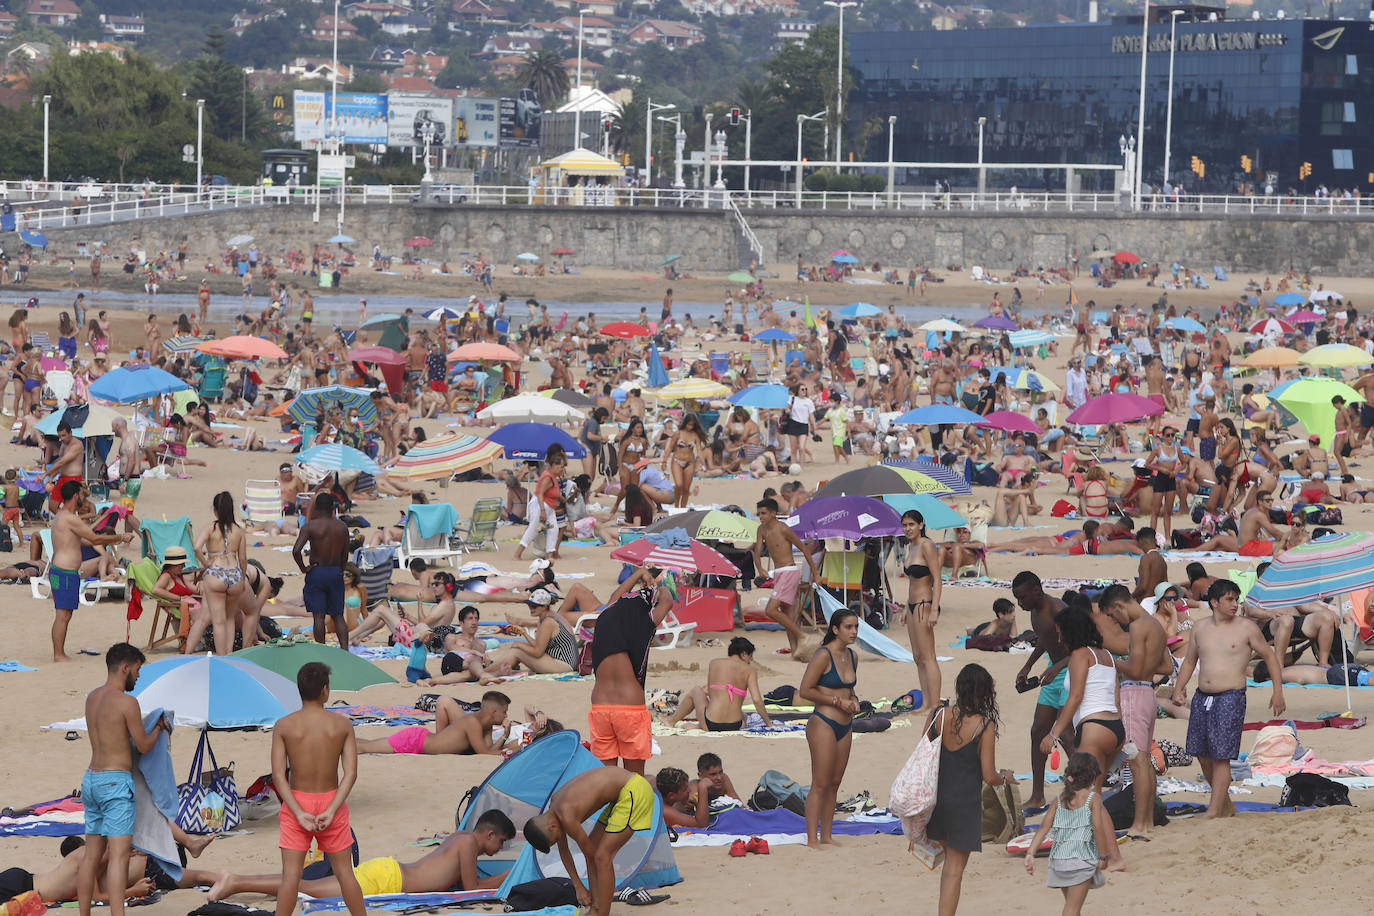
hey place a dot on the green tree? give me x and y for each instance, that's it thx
(232, 112)
(366, 81)
(88, 26)
(543, 72)
(627, 129)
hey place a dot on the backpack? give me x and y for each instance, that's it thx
(1121, 809)
(1308, 790)
(778, 790)
(541, 893)
(1002, 814)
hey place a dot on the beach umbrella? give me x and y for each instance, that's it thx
(35, 239)
(843, 257)
(668, 259)
(1114, 408)
(560, 252)
(840, 253)
(377, 321)
(492, 352)
(418, 241)
(1309, 399)
(1272, 358)
(625, 330)
(527, 256)
(771, 335)
(569, 397)
(1336, 356)
(128, 384)
(51, 363)
(848, 517)
(382, 356)
(692, 388)
(242, 238)
(341, 239)
(183, 343)
(1325, 295)
(938, 415)
(658, 376)
(1009, 422)
(709, 525)
(1272, 327)
(206, 690)
(1126, 257)
(860, 310)
(305, 407)
(1287, 299)
(531, 441)
(99, 420)
(995, 323)
(1184, 323)
(768, 397)
(335, 456)
(530, 407)
(952, 480)
(934, 513)
(881, 480)
(741, 276)
(674, 549)
(443, 456)
(1304, 316)
(242, 346)
(942, 325)
(1029, 337)
(443, 313)
(346, 670)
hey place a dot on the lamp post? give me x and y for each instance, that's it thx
(1140, 123)
(706, 156)
(818, 116)
(1127, 148)
(200, 136)
(748, 151)
(47, 101)
(719, 147)
(1169, 111)
(577, 90)
(891, 124)
(650, 110)
(982, 172)
(680, 140)
(840, 5)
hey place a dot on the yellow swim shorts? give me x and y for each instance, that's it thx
(379, 876)
(634, 808)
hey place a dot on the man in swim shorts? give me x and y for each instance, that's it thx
(626, 801)
(455, 731)
(323, 593)
(69, 463)
(451, 866)
(781, 541)
(1221, 646)
(1030, 594)
(69, 533)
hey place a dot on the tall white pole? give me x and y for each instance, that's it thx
(706, 153)
(1169, 111)
(649, 143)
(1140, 125)
(839, 91)
(680, 142)
(748, 149)
(47, 100)
(577, 90)
(982, 173)
(891, 171)
(334, 118)
(200, 136)
(798, 172)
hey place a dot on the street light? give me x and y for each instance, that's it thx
(200, 136)
(706, 154)
(1169, 112)
(680, 139)
(47, 100)
(577, 111)
(840, 5)
(891, 124)
(982, 173)
(818, 116)
(1127, 148)
(650, 110)
(1140, 124)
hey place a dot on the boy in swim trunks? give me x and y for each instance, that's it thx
(1029, 592)
(309, 748)
(455, 731)
(1222, 645)
(626, 801)
(781, 541)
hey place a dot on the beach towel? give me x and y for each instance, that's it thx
(1309, 724)
(779, 827)
(155, 799)
(15, 666)
(68, 822)
(366, 714)
(397, 902)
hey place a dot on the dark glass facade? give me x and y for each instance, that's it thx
(1282, 92)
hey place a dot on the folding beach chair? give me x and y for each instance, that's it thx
(791, 357)
(41, 341)
(144, 574)
(91, 589)
(480, 531)
(375, 568)
(427, 533)
(57, 387)
(157, 536)
(261, 501)
(720, 364)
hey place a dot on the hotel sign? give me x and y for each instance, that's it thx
(1202, 41)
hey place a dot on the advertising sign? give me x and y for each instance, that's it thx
(520, 119)
(308, 116)
(361, 117)
(476, 123)
(409, 117)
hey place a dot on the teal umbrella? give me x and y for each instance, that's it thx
(668, 259)
(936, 514)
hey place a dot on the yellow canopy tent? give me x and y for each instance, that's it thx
(578, 163)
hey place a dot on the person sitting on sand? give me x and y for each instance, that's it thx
(455, 731)
(720, 705)
(465, 655)
(551, 650)
(682, 794)
(452, 866)
(428, 626)
(711, 772)
(1003, 622)
(1250, 538)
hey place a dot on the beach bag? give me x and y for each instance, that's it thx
(541, 893)
(198, 809)
(913, 794)
(1274, 745)
(1002, 814)
(1308, 790)
(1120, 807)
(778, 790)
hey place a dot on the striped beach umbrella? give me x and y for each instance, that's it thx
(1025, 379)
(692, 388)
(183, 343)
(953, 481)
(335, 456)
(443, 456)
(674, 550)
(306, 406)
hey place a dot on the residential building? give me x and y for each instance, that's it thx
(389, 56)
(590, 71)
(501, 45)
(7, 23)
(243, 19)
(604, 8)
(324, 29)
(37, 51)
(407, 24)
(596, 32)
(399, 82)
(793, 31)
(666, 32)
(374, 11)
(470, 11)
(317, 68)
(75, 48)
(428, 63)
(126, 28)
(507, 66)
(52, 12)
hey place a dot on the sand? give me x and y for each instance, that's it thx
(1257, 863)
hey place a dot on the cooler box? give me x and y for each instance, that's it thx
(711, 609)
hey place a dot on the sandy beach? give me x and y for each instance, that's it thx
(1262, 863)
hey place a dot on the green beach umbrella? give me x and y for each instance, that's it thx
(1309, 399)
(740, 276)
(668, 259)
(285, 657)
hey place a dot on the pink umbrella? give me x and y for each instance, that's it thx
(1115, 408)
(1304, 317)
(695, 556)
(49, 363)
(1010, 422)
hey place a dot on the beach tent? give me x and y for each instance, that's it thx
(521, 788)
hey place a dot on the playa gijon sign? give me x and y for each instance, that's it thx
(1202, 41)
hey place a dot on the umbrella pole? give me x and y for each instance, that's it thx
(1345, 652)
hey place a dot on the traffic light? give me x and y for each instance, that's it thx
(1246, 164)
(1304, 170)
(606, 124)
(734, 117)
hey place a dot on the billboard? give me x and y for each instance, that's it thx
(476, 123)
(409, 116)
(520, 119)
(361, 117)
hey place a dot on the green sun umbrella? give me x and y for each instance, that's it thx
(741, 276)
(1309, 399)
(346, 671)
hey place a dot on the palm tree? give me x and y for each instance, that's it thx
(543, 72)
(627, 129)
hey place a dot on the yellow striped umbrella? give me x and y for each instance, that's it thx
(692, 388)
(444, 455)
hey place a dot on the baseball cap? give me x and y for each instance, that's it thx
(1164, 587)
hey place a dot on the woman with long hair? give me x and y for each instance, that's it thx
(634, 446)
(66, 335)
(1094, 705)
(720, 705)
(829, 684)
(967, 761)
(682, 451)
(546, 500)
(639, 509)
(222, 551)
(921, 565)
(96, 339)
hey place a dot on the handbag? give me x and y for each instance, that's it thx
(208, 801)
(913, 793)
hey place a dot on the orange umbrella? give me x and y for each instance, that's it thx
(241, 346)
(481, 351)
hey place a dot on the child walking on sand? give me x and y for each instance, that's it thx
(1078, 826)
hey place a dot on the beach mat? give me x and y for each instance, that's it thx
(778, 826)
(1344, 722)
(367, 714)
(396, 902)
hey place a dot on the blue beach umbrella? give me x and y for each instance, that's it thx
(377, 321)
(443, 313)
(342, 239)
(335, 456)
(938, 415)
(1030, 337)
(658, 376)
(845, 259)
(936, 514)
(305, 407)
(762, 396)
(36, 239)
(1183, 323)
(860, 310)
(1286, 299)
(772, 334)
(527, 256)
(531, 441)
(206, 690)
(128, 384)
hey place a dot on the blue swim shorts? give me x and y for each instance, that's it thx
(1055, 693)
(66, 588)
(108, 798)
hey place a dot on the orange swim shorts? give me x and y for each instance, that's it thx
(620, 731)
(334, 838)
(1257, 548)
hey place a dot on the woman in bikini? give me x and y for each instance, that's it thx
(222, 551)
(96, 339)
(258, 589)
(743, 432)
(921, 564)
(1093, 706)
(634, 447)
(829, 684)
(1252, 412)
(720, 706)
(1093, 498)
(682, 451)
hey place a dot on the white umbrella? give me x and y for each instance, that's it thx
(941, 325)
(1324, 295)
(237, 240)
(530, 408)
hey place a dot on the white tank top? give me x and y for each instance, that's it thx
(1099, 692)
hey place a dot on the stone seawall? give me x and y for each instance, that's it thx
(637, 238)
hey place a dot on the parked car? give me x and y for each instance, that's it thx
(443, 193)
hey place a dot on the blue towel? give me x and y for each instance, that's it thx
(15, 666)
(869, 638)
(433, 520)
(155, 794)
(673, 537)
(405, 901)
(743, 822)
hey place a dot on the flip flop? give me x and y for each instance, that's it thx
(1034, 810)
(638, 896)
